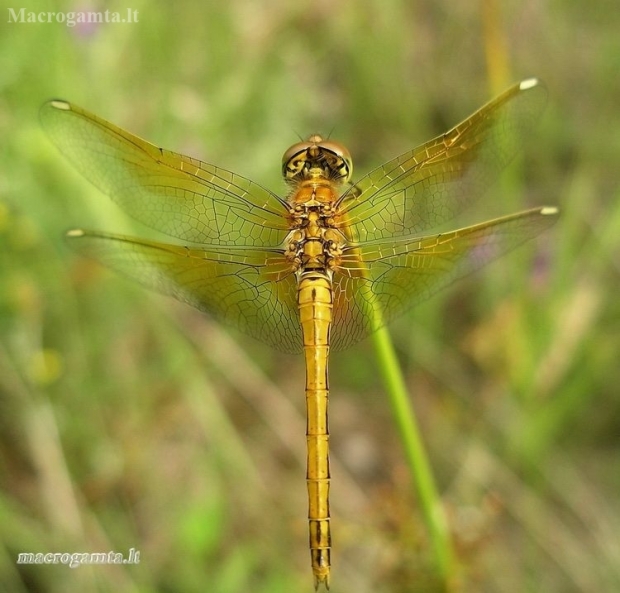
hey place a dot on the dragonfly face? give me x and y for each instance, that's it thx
(320, 269)
(317, 158)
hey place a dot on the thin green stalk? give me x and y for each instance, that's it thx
(424, 482)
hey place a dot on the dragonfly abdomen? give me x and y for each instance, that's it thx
(315, 311)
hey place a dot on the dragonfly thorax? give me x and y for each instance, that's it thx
(314, 244)
(317, 158)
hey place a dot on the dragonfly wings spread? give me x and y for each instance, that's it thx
(237, 269)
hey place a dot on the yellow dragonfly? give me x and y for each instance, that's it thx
(320, 268)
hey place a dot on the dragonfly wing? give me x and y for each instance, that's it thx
(380, 281)
(175, 194)
(434, 182)
(250, 289)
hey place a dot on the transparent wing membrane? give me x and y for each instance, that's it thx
(177, 195)
(234, 286)
(379, 281)
(431, 184)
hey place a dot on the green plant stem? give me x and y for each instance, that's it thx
(430, 502)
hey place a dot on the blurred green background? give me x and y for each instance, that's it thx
(129, 420)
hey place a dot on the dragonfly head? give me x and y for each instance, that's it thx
(317, 158)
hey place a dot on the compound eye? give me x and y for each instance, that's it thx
(296, 154)
(335, 148)
(340, 161)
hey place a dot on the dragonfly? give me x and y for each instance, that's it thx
(324, 266)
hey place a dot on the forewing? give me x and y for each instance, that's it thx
(175, 194)
(253, 290)
(379, 281)
(431, 184)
